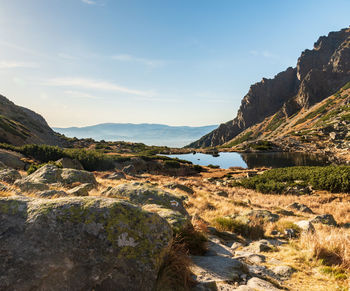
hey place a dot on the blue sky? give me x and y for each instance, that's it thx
(190, 62)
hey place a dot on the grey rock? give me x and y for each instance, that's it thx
(80, 243)
(143, 193)
(9, 175)
(116, 176)
(300, 207)
(327, 219)
(12, 159)
(261, 285)
(81, 190)
(258, 246)
(51, 194)
(283, 272)
(71, 176)
(129, 170)
(177, 220)
(216, 268)
(305, 225)
(216, 248)
(51, 174)
(28, 186)
(266, 215)
(70, 163)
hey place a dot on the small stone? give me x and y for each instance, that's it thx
(305, 225)
(283, 271)
(327, 219)
(261, 285)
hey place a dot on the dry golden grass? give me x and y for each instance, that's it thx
(175, 273)
(329, 244)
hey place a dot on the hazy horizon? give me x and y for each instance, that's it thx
(183, 63)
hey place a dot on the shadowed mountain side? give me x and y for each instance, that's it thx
(319, 73)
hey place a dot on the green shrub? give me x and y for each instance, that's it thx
(172, 164)
(330, 178)
(213, 166)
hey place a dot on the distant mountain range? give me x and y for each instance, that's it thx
(150, 134)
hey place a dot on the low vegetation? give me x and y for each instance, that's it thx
(330, 178)
(254, 229)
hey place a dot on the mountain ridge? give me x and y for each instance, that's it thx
(319, 73)
(148, 133)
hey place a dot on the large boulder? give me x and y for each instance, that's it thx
(79, 243)
(81, 190)
(51, 174)
(28, 186)
(70, 163)
(142, 194)
(9, 175)
(12, 159)
(176, 220)
(71, 176)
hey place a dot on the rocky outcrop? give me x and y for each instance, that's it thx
(19, 126)
(319, 73)
(12, 159)
(79, 244)
(51, 174)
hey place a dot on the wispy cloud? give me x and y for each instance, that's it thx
(78, 94)
(90, 2)
(144, 61)
(96, 85)
(16, 64)
(265, 53)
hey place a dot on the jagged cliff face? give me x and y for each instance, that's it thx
(319, 73)
(19, 125)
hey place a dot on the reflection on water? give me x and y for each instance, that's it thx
(278, 160)
(254, 160)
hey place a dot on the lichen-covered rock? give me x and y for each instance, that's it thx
(28, 186)
(70, 176)
(70, 163)
(51, 174)
(263, 214)
(81, 190)
(50, 194)
(79, 243)
(142, 194)
(327, 219)
(176, 220)
(9, 175)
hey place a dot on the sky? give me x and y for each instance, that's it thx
(183, 62)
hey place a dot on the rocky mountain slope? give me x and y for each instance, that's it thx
(319, 73)
(19, 125)
(321, 129)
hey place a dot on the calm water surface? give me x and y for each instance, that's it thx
(253, 160)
